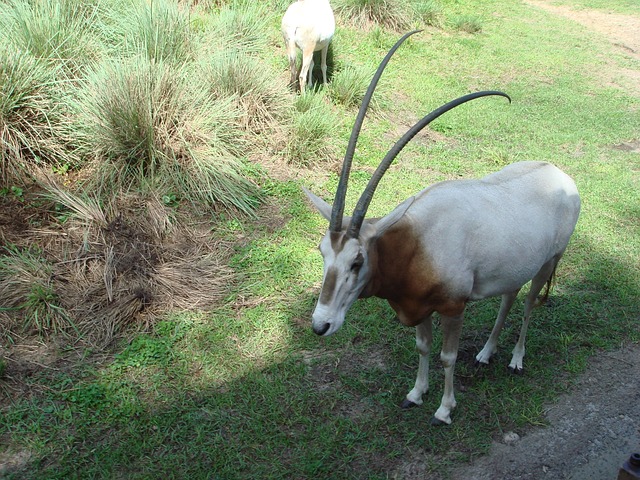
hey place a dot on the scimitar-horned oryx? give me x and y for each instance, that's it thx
(454, 242)
(308, 25)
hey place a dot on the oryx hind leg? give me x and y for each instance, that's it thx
(492, 343)
(544, 276)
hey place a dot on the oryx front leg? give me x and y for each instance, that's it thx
(306, 71)
(451, 327)
(424, 338)
(291, 55)
(492, 343)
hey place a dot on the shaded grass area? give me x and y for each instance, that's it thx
(247, 391)
(229, 392)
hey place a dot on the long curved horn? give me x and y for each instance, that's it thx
(365, 199)
(335, 224)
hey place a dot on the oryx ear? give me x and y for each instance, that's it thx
(323, 207)
(392, 218)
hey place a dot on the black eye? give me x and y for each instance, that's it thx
(357, 263)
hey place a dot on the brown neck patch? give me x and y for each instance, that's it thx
(403, 274)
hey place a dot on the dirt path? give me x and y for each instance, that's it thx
(592, 430)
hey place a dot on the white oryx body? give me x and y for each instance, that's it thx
(454, 242)
(308, 25)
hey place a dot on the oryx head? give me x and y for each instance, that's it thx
(346, 245)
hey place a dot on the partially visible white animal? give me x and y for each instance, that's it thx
(308, 25)
(452, 243)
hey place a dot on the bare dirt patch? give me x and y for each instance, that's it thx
(591, 431)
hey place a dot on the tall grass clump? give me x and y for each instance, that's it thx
(258, 91)
(29, 114)
(60, 31)
(349, 85)
(146, 124)
(27, 294)
(394, 14)
(430, 13)
(245, 26)
(466, 23)
(160, 30)
(311, 129)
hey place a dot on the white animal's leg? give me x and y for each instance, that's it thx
(291, 55)
(545, 273)
(424, 337)
(310, 74)
(307, 61)
(492, 343)
(451, 327)
(323, 65)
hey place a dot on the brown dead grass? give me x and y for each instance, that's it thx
(113, 269)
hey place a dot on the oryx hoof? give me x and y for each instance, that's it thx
(516, 370)
(477, 363)
(436, 422)
(406, 404)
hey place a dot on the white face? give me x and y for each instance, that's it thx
(346, 273)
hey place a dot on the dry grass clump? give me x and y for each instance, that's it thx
(27, 293)
(28, 114)
(108, 271)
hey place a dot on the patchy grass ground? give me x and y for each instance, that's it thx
(242, 388)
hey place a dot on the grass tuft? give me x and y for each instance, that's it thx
(159, 30)
(243, 26)
(26, 290)
(394, 14)
(259, 93)
(58, 31)
(466, 23)
(349, 86)
(28, 114)
(430, 13)
(312, 125)
(149, 125)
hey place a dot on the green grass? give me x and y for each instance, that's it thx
(59, 32)
(248, 391)
(309, 135)
(159, 30)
